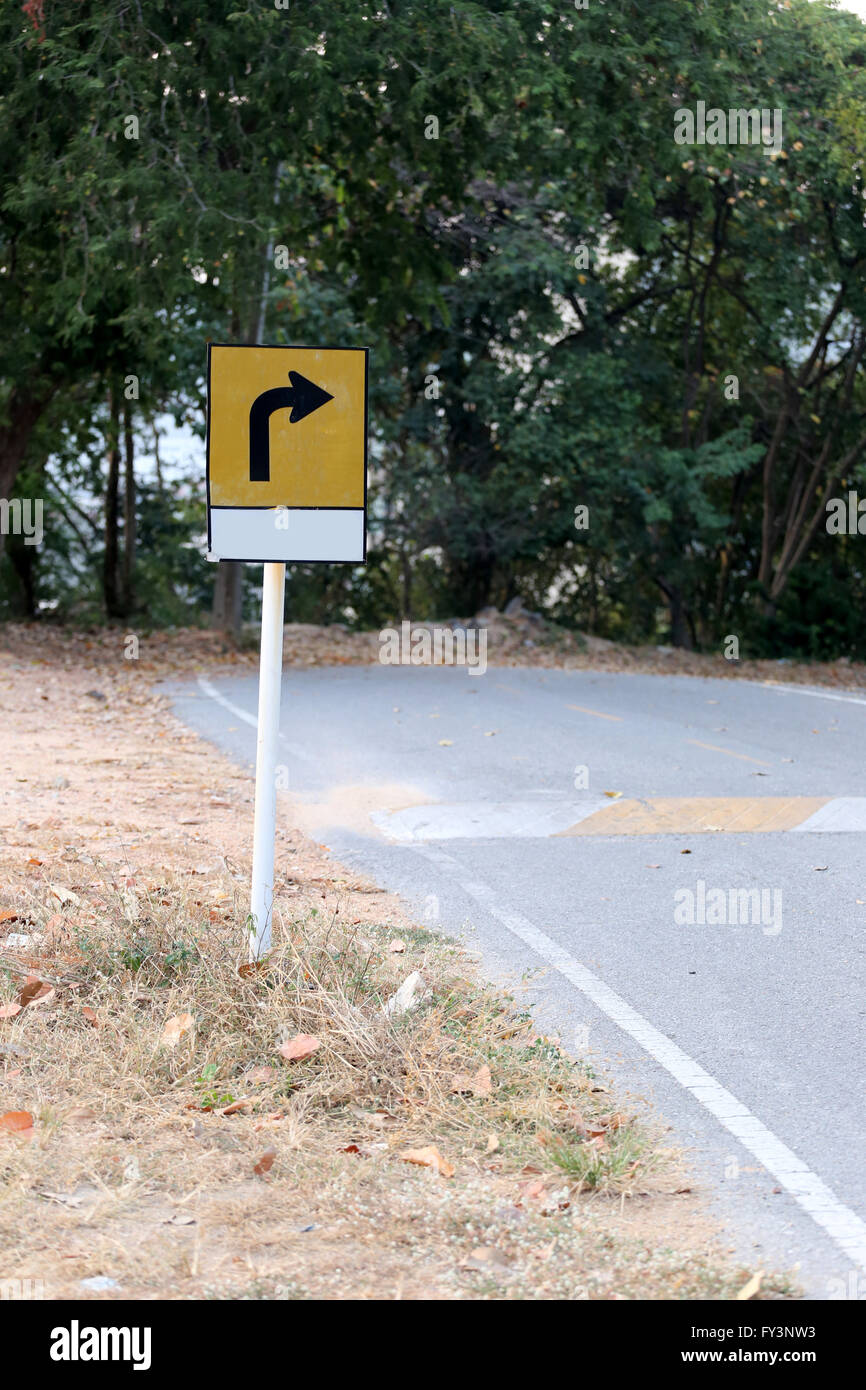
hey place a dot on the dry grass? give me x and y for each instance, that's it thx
(520, 640)
(127, 959)
(142, 1164)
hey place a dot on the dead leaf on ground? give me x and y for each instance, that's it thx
(259, 1075)
(487, 1259)
(529, 1191)
(18, 1122)
(544, 1252)
(175, 1028)
(273, 1117)
(10, 1010)
(429, 1158)
(299, 1048)
(265, 1163)
(481, 1084)
(586, 1129)
(64, 895)
(70, 1199)
(89, 1015)
(35, 991)
(751, 1288)
(236, 1106)
(616, 1121)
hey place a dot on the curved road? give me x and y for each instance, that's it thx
(680, 861)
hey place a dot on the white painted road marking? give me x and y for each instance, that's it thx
(844, 1227)
(816, 694)
(470, 820)
(213, 694)
(842, 813)
(482, 820)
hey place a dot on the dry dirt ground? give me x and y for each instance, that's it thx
(158, 1139)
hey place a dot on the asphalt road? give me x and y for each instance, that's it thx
(484, 801)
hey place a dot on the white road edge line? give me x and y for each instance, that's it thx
(213, 694)
(842, 1225)
(816, 694)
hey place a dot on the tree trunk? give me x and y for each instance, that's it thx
(23, 560)
(472, 584)
(24, 412)
(128, 512)
(110, 587)
(681, 633)
(405, 582)
(227, 599)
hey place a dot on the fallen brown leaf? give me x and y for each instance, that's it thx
(265, 1163)
(236, 1106)
(751, 1288)
(299, 1048)
(17, 1122)
(486, 1259)
(481, 1084)
(31, 987)
(544, 1252)
(175, 1028)
(64, 895)
(259, 1075)
(35, 991)
(530, 1190)
(252, 967)
(429, 1158)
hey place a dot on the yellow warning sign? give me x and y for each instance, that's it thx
(287, 430)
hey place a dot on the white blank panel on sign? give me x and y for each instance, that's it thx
(287, 534)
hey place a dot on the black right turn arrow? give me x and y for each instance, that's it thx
(303, 396)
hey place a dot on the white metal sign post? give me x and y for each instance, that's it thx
(267, 734)
(286, 481)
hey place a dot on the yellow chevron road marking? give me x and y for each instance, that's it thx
(698, 815)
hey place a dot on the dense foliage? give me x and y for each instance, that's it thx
(567, 308)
